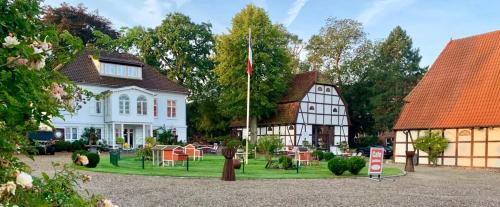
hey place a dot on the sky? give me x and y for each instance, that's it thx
(431, 24)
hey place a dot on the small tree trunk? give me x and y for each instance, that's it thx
(253, 130)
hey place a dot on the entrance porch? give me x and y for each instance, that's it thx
(133, 133)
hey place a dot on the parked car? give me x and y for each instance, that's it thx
(366, 151)
(44, 142)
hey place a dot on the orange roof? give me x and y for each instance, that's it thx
(461, 89)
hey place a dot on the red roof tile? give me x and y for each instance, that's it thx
(461, 89)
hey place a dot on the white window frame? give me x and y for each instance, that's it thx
(120, 70)
(171, 108)
(74, 133)
(67, 133)
(142, 105)
(124, 104)
(98, 106)
(155, 108)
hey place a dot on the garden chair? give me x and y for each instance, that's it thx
(214, 149)
(191, 151)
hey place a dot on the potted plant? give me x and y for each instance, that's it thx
(119, 141)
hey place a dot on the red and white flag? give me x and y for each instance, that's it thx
(249, 61)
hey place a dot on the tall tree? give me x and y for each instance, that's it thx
(182, 50)
(358, 93)
(295, 47)
(335, 45)
(271, 62)
(399, 70)
(78, 21)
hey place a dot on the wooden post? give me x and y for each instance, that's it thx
(143, 162)
(486, 150)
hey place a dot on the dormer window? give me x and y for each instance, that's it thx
(120, 71)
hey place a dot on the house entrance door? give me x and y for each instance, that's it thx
(322, 136)
(129, 136)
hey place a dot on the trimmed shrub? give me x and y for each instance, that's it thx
(319, 154)
(62, 145)
(285, 162)
(78, 145)
(93, 159)
(356, 164)
(338, 165)
(327, 156)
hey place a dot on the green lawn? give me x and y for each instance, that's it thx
(212, 165)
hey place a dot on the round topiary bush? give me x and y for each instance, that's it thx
(338, 165)
(93, 159)
(318, 154)
(327, 156)
(356, 164)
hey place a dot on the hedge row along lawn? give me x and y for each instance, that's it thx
(211, 167)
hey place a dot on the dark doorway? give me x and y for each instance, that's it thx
(129, 137)
(322, 136)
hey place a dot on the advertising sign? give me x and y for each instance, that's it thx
(376, 161)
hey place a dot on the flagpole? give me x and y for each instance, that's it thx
(248, 119)
(248, 104)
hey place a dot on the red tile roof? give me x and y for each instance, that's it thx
(82, 70)
(461, 89)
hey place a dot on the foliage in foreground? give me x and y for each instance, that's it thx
(433, 144)
(58, 190)
(32, 92)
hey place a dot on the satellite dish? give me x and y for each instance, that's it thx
(58, 134)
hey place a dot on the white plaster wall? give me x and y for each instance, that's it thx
(86, 116)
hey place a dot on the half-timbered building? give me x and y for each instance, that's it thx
(313, 110)
(459, 97)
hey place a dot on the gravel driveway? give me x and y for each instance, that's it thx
(441, 186)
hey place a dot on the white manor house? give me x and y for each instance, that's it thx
(139, 100)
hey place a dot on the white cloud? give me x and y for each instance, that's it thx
(381, 8)
(149, 13)
(294, 11)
